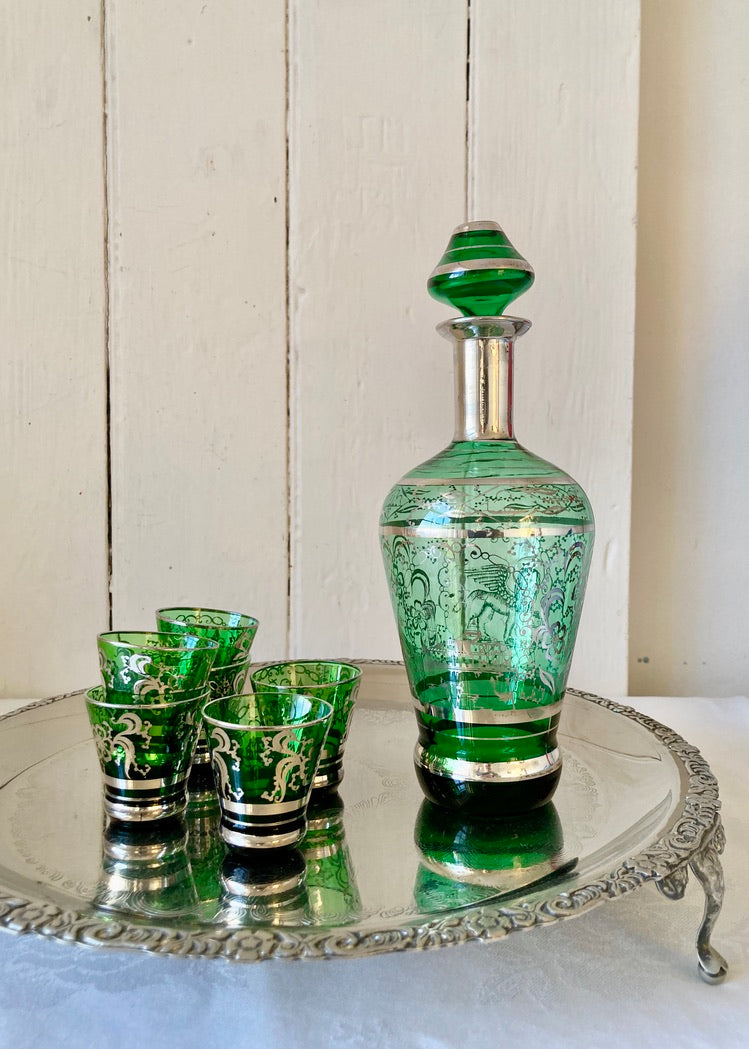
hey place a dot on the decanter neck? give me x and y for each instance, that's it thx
(483, 349)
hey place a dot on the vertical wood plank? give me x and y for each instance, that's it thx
(377, 134)
(690, 570)
(53, 549)
(197, 104)
(553, 145)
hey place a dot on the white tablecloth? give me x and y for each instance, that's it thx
(625, 974)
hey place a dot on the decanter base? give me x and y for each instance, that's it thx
(501, 800)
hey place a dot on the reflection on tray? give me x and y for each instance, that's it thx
(175, 868)
(331, 882)
(463, 863)
(262, 889)
(205, 847)
(146, 870)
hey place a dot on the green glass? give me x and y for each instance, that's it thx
(146, 870)
(265, 750)
(337, 684)
(148, 665)
(145, 751)
(332, 892)
(233, 632)
(229, 680)
(466, 862)
(263, 889)
(223, 681)
(481, 272)
(487, 549)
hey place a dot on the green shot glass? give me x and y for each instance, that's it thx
(148, 666)
(145, 751)
(222, 681)
(233, 632)
(265, 750)
(335, 683)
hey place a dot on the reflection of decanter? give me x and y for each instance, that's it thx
(331, 884)
(487, 549)
(465, 862)
(145, 869)
(262, 890)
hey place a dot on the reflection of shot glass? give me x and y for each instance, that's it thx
(262, 888)
(265, 750)
(149, 665)
(333, 896)
(205, 848)
(145, 870)
(233, 632)
(335, 683)
(145, 751)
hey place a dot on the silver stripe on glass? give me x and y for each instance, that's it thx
(251, 890)
(470, 265)
(489, 771)
(129, 812)
(260, 841)
(506, 878)
(488, 716)
(494, 482)
(422, 531)
(119, 883)
(478, 224)
(262, 808)
(146, 784)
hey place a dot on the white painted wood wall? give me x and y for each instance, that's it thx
(690, 567)
(218, 221)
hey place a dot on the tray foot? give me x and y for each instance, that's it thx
(708, 871)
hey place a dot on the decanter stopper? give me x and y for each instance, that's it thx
(480, 273)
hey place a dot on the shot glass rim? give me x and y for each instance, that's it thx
(266, 728)
(251, 620)
(356, 676)
(141, 706)
(204, 643)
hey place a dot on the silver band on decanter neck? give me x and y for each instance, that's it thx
(460, 329)
(469, 227)
(483, 348)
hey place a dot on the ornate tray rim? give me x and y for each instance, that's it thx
(695, 829)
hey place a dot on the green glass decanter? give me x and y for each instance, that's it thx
(487, 549)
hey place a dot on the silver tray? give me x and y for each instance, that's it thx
(636, 803)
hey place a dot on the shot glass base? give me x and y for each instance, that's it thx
(329, 774)
(201, 786)
(129, 811)
(245, 836)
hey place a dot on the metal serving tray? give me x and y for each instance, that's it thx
(636, 803)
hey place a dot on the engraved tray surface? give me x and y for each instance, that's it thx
(634, 804)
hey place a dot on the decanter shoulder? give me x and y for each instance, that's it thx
(480, 482)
